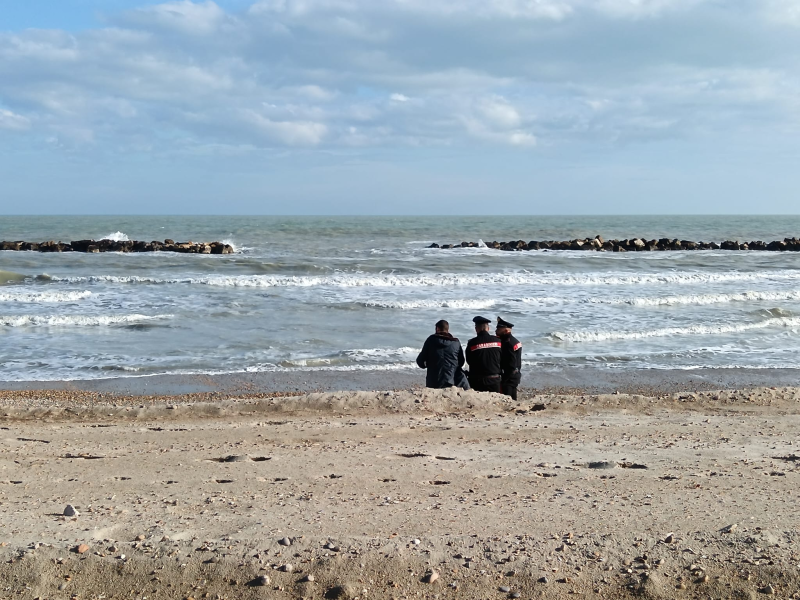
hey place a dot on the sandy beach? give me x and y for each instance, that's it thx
(407, 493)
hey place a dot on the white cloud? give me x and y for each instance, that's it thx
(9, 120)
(325, 73)
(197, 18)
(291, 133)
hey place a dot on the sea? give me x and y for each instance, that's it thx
(362, 294)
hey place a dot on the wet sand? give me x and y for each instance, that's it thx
(571, 380)
(262, 494)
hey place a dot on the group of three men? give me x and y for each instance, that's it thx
(494, 361)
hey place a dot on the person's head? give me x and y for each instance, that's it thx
(481, 324)
(442, 326)
(503, 328)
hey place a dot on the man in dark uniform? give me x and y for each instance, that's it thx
(483, 358)
(443, 357)
(510, 358)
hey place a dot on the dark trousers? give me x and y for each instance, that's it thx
(510, 389)
(487, 384)
(510, 385)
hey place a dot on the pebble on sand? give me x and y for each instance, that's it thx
(430, 577)
(69, 511)
(287, 568)
(262, 580)
(81, 549)
(768, 590)
(285, 541)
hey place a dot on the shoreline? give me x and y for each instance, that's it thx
(542, 381)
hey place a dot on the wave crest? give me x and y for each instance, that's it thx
(599, 335)
(77, 320)
(117, 236)
(37, 297)
(388, 280)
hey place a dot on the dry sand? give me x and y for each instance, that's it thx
(373, 494)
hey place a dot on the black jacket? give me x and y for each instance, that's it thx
(483, 356)
(443, 356)
(511, 359)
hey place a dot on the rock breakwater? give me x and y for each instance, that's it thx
(598, 244)
(105, 245)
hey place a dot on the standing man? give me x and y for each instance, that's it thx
(443, 357)
(510, 358)
(483, 358)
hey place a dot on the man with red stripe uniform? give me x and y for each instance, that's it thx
(510, 358)
(483, 358)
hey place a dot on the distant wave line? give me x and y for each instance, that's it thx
(599, 335)
(76, 320)
(350, 280)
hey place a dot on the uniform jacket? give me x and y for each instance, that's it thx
(443, 356)
(511, 359)
(483, 356)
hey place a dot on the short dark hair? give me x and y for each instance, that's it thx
(443, 326)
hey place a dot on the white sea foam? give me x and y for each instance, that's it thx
(598, 335)
(76, 320)
(231, 243)
(36, 297)
(117, 236)
(432, 303)
(388, 280)
(701, 299)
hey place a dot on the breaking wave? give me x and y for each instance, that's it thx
(77, 320)
(413, 304)
(346, 280)
(117, 236)
(599, 335)
(703, 299)
(36, 297)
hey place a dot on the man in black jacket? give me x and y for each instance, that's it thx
(510, 358)
(443, 356)
(483, 358)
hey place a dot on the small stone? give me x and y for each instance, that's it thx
(82, 549)
(287, 568)
(768, 590)
(543, 579)
(516, 595)
(681, 586)
(285, 541)
(308, 579)
(505, 589)
(262, 580)
(703, 578)
(430, 577)
(729, 528)
(70, 511)
(670, 538)
(140, 538)
(416, 542)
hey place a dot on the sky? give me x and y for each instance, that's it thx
(400, 107)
